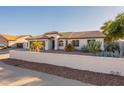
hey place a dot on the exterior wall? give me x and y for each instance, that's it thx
(4, 56)
(81, 62)
(64, 44)
(28, 45)
(102, 43)
(24, 41)
(12, 44)
(82, 42)
(55, 36)
(121, 45)
(3, 41)
(47, 43)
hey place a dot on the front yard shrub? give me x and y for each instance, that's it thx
(69, 48)
(94, 46)
(108, 54)
(111, 50)
(112, 47)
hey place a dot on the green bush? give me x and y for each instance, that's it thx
(112, 47)
(69, 48)
(94, 46)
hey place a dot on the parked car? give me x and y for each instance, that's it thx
(2, 47)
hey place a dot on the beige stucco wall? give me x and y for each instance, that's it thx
(4, 56)
(19, 40)
(47, 43)
(24, 41)
(121, 45)
(81, 62)
(12, 43)
(64, 44)
(82, 42)
(55, 39)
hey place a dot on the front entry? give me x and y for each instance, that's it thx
(53, 44)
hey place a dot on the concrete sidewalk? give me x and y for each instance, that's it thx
(14, 76)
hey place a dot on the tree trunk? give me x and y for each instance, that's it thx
(37, 49)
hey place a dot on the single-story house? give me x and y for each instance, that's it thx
(14, 41)
(58, 40)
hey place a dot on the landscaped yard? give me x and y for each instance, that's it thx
(18, 72)
(80, 75)
(14, 76)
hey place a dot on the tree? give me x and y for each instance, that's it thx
(114, 29)
(37, 45)
(106, 29)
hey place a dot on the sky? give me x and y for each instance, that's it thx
(38, 20)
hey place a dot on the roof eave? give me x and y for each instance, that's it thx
(81, 37)
(36, 38)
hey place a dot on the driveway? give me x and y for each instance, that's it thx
(14, 76)
(6, 51)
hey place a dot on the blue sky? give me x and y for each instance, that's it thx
(37, 20)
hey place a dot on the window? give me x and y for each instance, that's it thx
(89, 41)
(61, 43)
(66, 42)
(75, 43)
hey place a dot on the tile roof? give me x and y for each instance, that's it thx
(38, 37)
(88, 34)
(71, 35)
(52, 32)
(9, 37)
(12, 37)
(23, 36)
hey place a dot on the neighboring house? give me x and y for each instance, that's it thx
(14, 41)
(58, 40)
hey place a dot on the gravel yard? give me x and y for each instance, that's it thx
(81, 75)
(15, 76)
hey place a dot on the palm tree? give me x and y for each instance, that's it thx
(114, 29)
(37, 46)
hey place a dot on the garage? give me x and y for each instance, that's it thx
(19, 45)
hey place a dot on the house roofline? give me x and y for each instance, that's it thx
(81, 38)
(4, 37)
